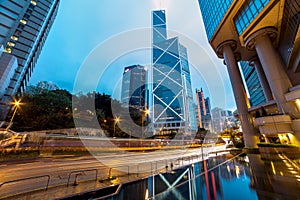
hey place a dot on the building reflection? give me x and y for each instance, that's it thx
(247, 177)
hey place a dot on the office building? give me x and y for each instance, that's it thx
(173, 107)
(256, 93)
(265, 33)
(221, 119)
(134, 90)
(203, 110)
(24, 27)
(206, 119)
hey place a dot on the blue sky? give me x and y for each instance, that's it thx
(83, 26)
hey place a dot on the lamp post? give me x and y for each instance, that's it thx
(144, 114)
(116, 121)
(16, 105)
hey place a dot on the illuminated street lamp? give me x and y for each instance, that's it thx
(116, 121)
(16, 104)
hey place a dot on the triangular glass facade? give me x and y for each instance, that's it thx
(173, 109)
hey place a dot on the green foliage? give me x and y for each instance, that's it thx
(57, 109)
(239, 145)
(44, 110)
(18, 154)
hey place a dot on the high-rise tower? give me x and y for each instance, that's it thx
(24, 27)
(173, 110)
(134, 90)
(203, 110)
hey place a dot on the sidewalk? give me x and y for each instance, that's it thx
(82, 186)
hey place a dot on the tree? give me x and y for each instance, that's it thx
(44, 110)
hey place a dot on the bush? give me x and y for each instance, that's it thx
(239, 145)
(263, 144)
(18, 153)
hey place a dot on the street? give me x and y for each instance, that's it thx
(68, 170)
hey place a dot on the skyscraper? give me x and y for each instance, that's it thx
(203, 110)
(134, 90)
(265, 33)
(173, 110)
(24, 27)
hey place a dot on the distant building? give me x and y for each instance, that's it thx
(206, 119)
(134, 89)
(221, 119)
(47, 85)
(41, 86)
(203, 110)
(24, 28)
(173, 110)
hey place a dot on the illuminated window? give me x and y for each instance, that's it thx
(14, 38)
(7, 50)
(23, 21)
(33, 2)
(11, 44)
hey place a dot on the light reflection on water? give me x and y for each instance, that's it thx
(240, 178)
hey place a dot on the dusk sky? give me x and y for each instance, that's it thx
(85, 26)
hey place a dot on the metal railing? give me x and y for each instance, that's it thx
(28, 178)
(80, 172)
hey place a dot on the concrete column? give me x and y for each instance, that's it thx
(262, 78)
(273, 67)
(250, 134)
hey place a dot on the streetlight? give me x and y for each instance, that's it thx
(144, 114)
(16, 104)
(116, 121)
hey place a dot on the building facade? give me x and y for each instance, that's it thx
(206, 120)
(203, 110)
(134, 87)
(221, 119)
(256, 94)
(265, 33)
(24, 27)
(173, 110)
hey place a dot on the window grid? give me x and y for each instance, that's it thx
(213, 12)
(248, 13)
(255, 89)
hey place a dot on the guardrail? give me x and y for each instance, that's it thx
(28, 178)
(79, 172)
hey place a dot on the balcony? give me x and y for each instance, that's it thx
(274, 124)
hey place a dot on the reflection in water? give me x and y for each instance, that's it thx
(223, 178)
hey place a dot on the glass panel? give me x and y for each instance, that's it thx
(213, 12)
(248, 13)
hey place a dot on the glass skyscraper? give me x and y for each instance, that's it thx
(24, 27)
(214, 13)
(203, 110)
(134, 90)
(173, 109)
